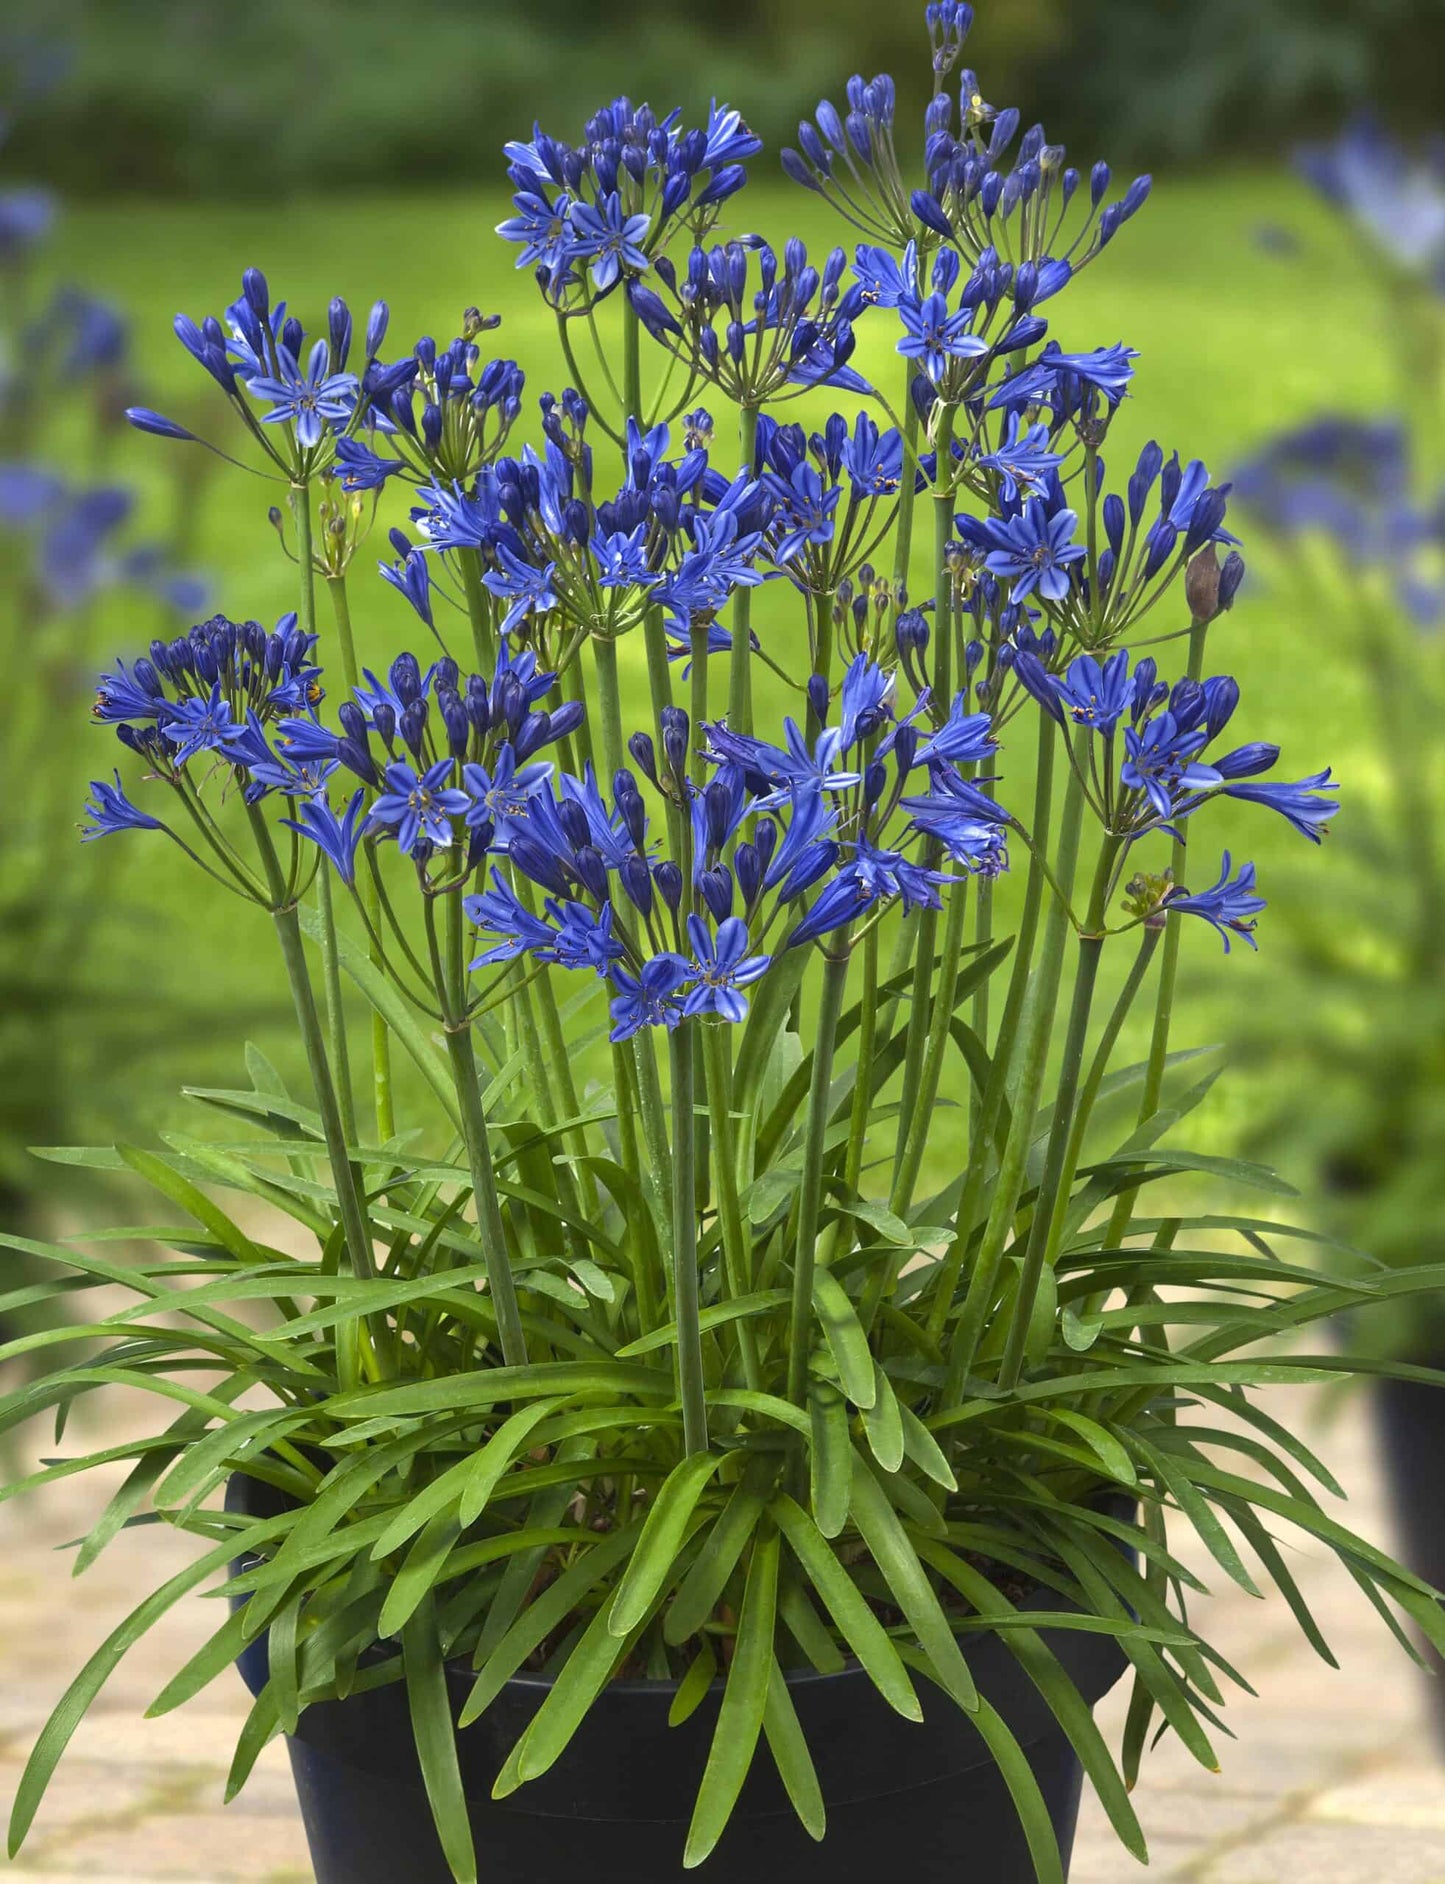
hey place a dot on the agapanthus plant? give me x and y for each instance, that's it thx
(756, 1281)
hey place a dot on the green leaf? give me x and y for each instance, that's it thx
(924, 1450)
(655, 1558)
(830, 1464)
(192, 1200)
(718, 1316)
(692, 1689)
(898, 1563)
(789, 1749)
(846, 1339)
(744, 1703)
(701, 1589)
(855, 1621)
(883, 1423)
(436, 1742)
(584, 1675)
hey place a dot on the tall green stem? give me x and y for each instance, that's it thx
(478, 614)
(1036, 1027)
(907, 496)
(717, 1070)
(381, 1079)
(1153, 1090)
(810, 1198)
(484, 1190)
(690, 1385)
(740, 704)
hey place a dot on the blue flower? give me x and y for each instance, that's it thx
(803, 511)
(1399, 200)
(411, 577)
(1056, 374)
(609, 240)
(1160, 762)
(1302, 801)
(314, 398)
(963, 739)
(847, 896)
(528, 590)
(360, 468)
(1023, 459)
(203, 723)
(419, 808)
(933, 336)
(722, 968)
(1033, 551)
(1229, 906)
(498, 912)
(504, 794)
(890, 873)
(544, 229)
(584, 938)
(885, 280)
(621, 558)
(112, 811)
(874, 459)
(964, 821)
(336, 838)
(1097, 696)
(649, 999)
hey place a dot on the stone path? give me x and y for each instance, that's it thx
(1332, 1779)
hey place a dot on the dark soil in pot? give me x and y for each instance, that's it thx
(924, 1801)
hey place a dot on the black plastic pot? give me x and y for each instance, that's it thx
(1411, 1418)
(923, 1800)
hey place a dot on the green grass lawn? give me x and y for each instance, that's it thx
(1236, 340)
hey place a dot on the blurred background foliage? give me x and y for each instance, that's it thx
(195, 97)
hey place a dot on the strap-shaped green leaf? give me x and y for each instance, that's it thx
(436, 1741)
(744, 1703)
(898, 1564)
(701, 1589)
(855, 1621)
(847, 1341)
(692, 1689)
(924, 1450)
(789, 1748)
(883, 1422)
(830, 1465)
(655, 1558)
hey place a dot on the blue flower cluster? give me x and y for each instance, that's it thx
(1397, 198)
(591, 215)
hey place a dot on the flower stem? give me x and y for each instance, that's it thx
(717, 1070)
(484, 642)
(1036, 1027)
(381, 1080)
(740, 704)
(1154, 1070)
(810, 1199)
(690, 1384)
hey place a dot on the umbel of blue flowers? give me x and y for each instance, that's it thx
(591, 215)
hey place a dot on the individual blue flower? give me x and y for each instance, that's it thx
(1159, 760)
(874, 459)
(608, 240)
(1301, 801)
(933, 336)
(621, 559)
(526, 589)
(111, 811)
(650, 999)
(1097, 696)
(890, 873)
(803, 510)
(419, 807)
(1230, 906)
(722, 968)
(964, 821)
(336, 838)
(847, 896)
(543, 229)
(583, 937)
(313, 399)
(1108, 369)
(498, 912)
(411, 577)
(1023, 459)
(203, 723)
(884, 278)
(360, 468)
(503, 795)
(963, 739)
(1034, 551)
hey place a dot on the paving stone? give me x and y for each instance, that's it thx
(1412, 1796)
(173, 1846)
(1335, 1854)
